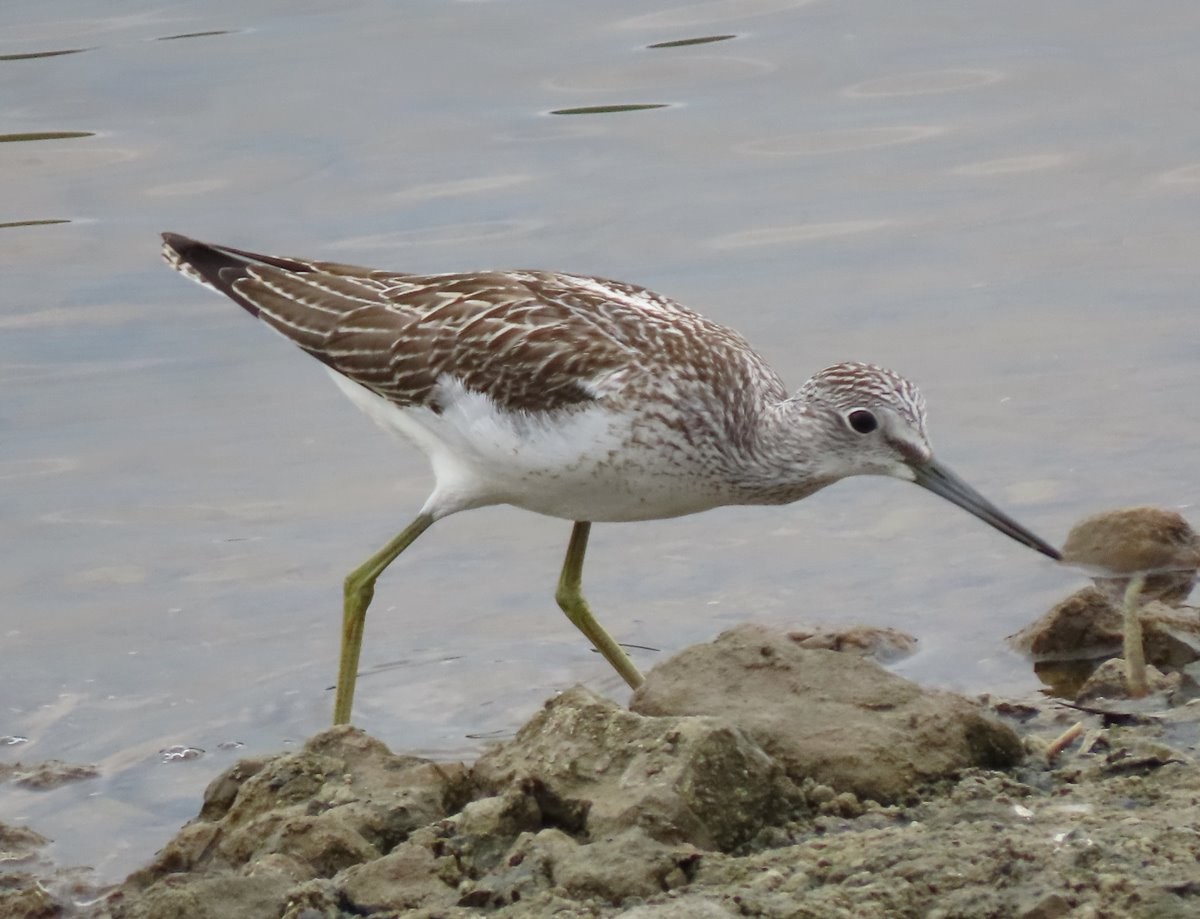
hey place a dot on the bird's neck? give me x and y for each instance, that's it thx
(782, 460)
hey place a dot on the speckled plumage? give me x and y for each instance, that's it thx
(576, 397)
(529, 340)
(692, 416)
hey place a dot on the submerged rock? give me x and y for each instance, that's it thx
(31, 887)
(1088, 626)
(48, 775)
(1110, 681)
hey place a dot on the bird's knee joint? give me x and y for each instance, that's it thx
(569, 599)
(563, 598)
(354, 588)
(573, 604)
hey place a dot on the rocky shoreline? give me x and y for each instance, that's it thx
(748, 777)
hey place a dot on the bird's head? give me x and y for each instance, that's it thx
(872, 421)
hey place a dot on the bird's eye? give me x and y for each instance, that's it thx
(862, 421)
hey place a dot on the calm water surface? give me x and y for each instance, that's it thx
(1001, 204)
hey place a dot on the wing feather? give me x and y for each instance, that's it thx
(531, 341)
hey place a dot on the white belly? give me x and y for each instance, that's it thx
(577, 465)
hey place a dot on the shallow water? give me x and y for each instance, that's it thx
(1001, 206)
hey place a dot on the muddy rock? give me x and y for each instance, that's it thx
(598, 770)
(406, 878)
(686, 907)
(595, 812)
(22, 896)
(19, 843)
(269, 823)
(1088, 625)
(1143, 562)
(526, 871)
(1110, 681)
(614, 869)
(1083, 626)
(882, 644)
(33, 887)
(838, 719)
(48, 775)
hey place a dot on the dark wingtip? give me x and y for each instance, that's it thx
(194, 257)
(177, 241)
(182, 246)
(209, 265)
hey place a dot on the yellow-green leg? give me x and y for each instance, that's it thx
(1134, 650)
(359, 589)
(570, 599)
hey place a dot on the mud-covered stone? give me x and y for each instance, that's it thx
(680, 779)
(839, 719)
(876, 642)
(18, 843)
(50, 774)
(22, 896)
(1110, 681)
(626, 865)
(406, 878)
(270, 823)
(1103, 828)
(219, 895)
(1088, 625)
(685, 907)
(528, 868)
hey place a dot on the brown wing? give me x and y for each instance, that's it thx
(528, 340)
(487, 331)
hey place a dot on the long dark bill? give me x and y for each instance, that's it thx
(941, 481)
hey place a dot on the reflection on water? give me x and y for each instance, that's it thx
(30, 223)
(992, 205)
(609, 109)
(207, 34)
(684, 42)
(43, 135)
(36, 54)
